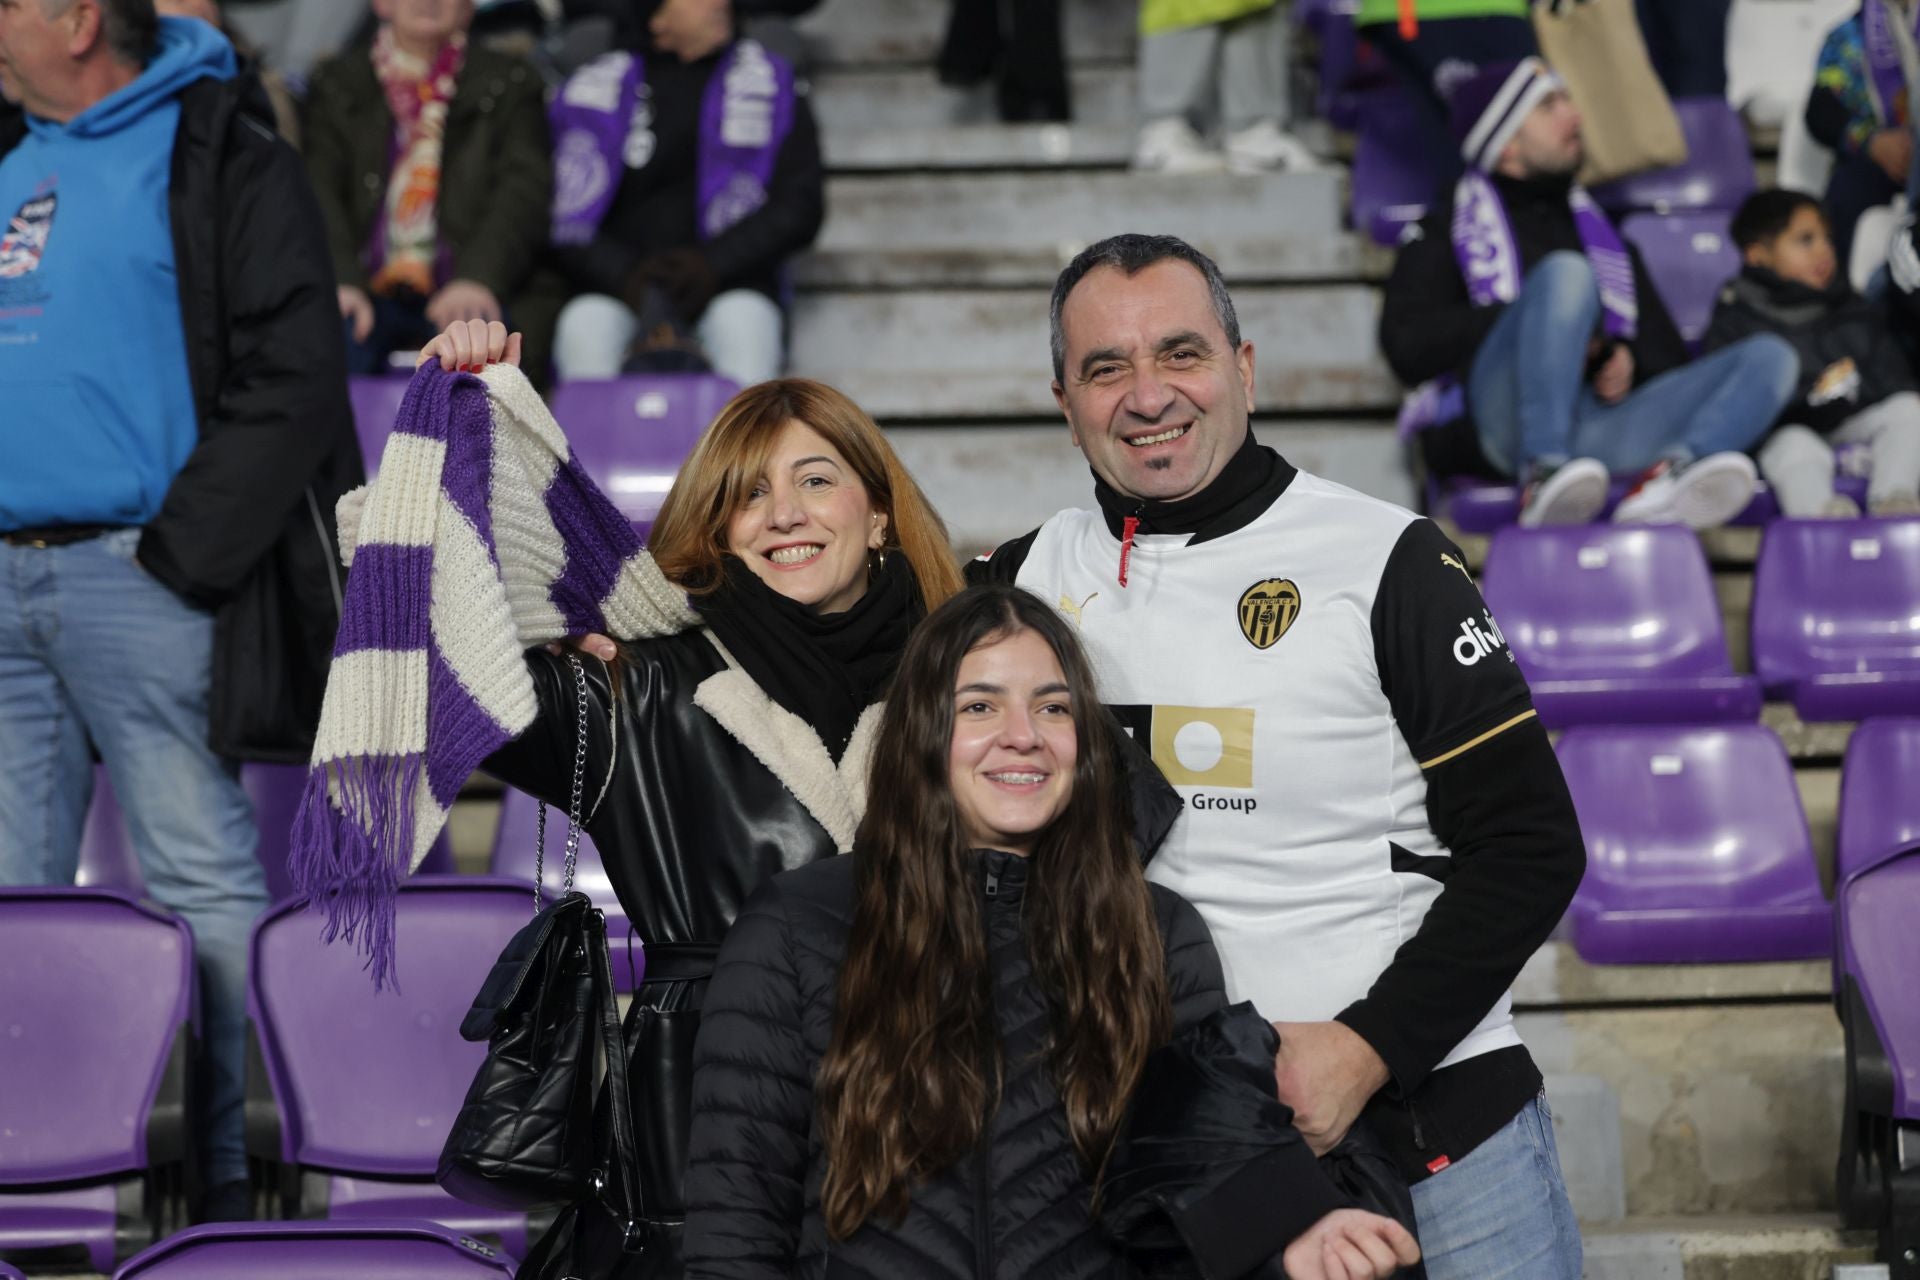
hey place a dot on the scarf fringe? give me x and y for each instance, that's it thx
(351, 846)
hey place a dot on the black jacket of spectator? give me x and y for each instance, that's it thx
(246, 527)
(1020, 1208)
(496, 172)
(657, 207)
(1826, 327)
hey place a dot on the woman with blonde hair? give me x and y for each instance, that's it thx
(721, 756)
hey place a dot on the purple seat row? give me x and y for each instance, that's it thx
(1617, 623)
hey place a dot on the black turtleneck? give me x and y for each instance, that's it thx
(1245, 487)
(1428, 327)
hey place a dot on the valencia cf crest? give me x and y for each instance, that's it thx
(1267, 609)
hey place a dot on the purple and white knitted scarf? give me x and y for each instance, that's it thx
(480, 537)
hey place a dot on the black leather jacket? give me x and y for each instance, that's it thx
(690, 820)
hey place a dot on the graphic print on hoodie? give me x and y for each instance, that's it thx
(96, 428)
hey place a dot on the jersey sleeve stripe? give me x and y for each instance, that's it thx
(1469, 745)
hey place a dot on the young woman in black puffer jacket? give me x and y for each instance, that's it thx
(913, 1061)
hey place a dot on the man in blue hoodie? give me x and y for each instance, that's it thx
(175, 431)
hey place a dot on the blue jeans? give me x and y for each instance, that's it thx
(1501, 1210)
(93, 648)
(397, 326)
(1528, 393)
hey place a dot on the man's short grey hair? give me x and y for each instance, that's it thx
(1130, 255)
(132, 26)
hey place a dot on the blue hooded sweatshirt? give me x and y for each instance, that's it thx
(96, 407)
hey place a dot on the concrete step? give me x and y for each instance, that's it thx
(1721, 1108)
(981, 146)
(985, 501)
(856, 100)
(930, 230)
(1556, 978)
(869, 32)
(974, 353)
(1722, 1247)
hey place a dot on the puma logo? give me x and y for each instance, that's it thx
(1450, 562)
(1072, 610)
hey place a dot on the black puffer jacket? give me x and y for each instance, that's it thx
(1019, 1210)
(1849, 358)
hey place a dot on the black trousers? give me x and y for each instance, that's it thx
(1017, 43)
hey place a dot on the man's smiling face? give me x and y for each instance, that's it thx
(1155, 392)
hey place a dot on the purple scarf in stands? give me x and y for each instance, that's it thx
(1489, 259)
(603, 125)
(1882, 44)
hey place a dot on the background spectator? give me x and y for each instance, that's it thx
(1859, 110)
(1446, 42)
(433, 166)
(1855, 383)
(1224, 62)
(143, 494)
(686, 176)
(1687, 44)
(1571, 365)
(1018, 46)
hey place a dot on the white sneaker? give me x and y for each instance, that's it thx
(1702, 494)
(1894, 504)
(1267, 148)
(1840, 507)
(1172, 146)
(1571, 493)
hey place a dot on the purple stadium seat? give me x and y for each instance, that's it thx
(632, 433)
(1615, 624)
(375, 1250)
(1474, 504)
(1877, 955)
(1717, 173)
(376, 403)
(96, 1026)
(1697, 849)
(9, 1273)
(1836, 617)
(1689, 256)
(107, 857)
(351, 1092)
(1395, 175)
(513, 850)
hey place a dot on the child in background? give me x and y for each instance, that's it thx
(1855, 383)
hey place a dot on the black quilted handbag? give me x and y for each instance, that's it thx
(525, 1137)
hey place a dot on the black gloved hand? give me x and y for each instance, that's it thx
(682, 274)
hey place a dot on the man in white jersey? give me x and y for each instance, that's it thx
(1376, 829)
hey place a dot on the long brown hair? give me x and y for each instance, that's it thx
(914, 1067)
(690, 535)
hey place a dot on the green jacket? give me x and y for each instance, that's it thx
(496, 169)
(1373, 11)
(1171, 15)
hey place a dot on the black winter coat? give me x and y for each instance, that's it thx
(1849, 359)
(246, 527)
(1018, 1210)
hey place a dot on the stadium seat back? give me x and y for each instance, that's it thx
(1395, 175)
(369, 1082)
(1880, 949)
(1833, 609)
(1717, 173)
(374, 1250)
(1879, 793)
(1697, 848)
(1615, 623)
(514, 845)
(376, 403)
(97, 990)
(1690, 256)
(632, 433)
